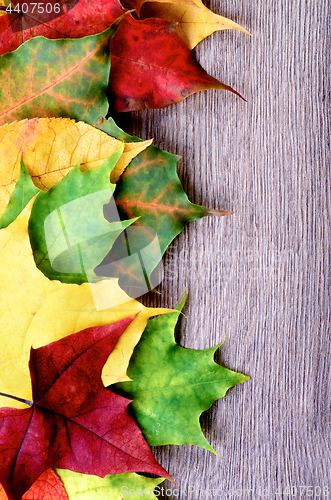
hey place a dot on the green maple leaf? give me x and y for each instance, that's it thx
(73, 85)
(172, 385)
(112, 487)
(68, 233)
(151, 190)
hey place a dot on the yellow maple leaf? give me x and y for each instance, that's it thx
(35, 311)
(51, 147)
(195, 20)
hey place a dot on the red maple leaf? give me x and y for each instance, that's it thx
(74, 422)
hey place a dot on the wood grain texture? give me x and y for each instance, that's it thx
(261, 277)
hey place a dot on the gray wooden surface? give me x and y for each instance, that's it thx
(259, 278)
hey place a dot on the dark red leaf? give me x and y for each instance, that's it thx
(74, 422)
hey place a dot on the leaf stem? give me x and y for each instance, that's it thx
(220, 213)
(30, 403)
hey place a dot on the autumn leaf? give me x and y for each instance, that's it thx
(169, 396)
(152, 55)
(51, 147)
(113, 487)
(87, 17)
(162, 203)
(66, 78)
(68, 233)
(162, 206)
(27, 15)
(35, 311)
(48, 486)
(161, 76)
(195, 20)
(74, 422)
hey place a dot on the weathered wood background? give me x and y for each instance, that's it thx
(259, 278)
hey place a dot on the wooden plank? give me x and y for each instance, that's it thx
(261, 277)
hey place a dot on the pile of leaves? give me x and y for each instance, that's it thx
(154, 53)
(86, 214)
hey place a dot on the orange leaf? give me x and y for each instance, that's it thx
(47, 487)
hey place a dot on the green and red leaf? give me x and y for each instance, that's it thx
(73, 85)
(161, 204)
(148, 52)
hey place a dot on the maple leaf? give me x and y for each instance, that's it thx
(169, 396)
(68, 233)
(114, 487)
(48, 486)
(194, 20)
(162, 206)
(35, 311)
(74, 422)
(164, 70)
(88, 17)
(160, 77)
(73, 85)
(51, 147)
